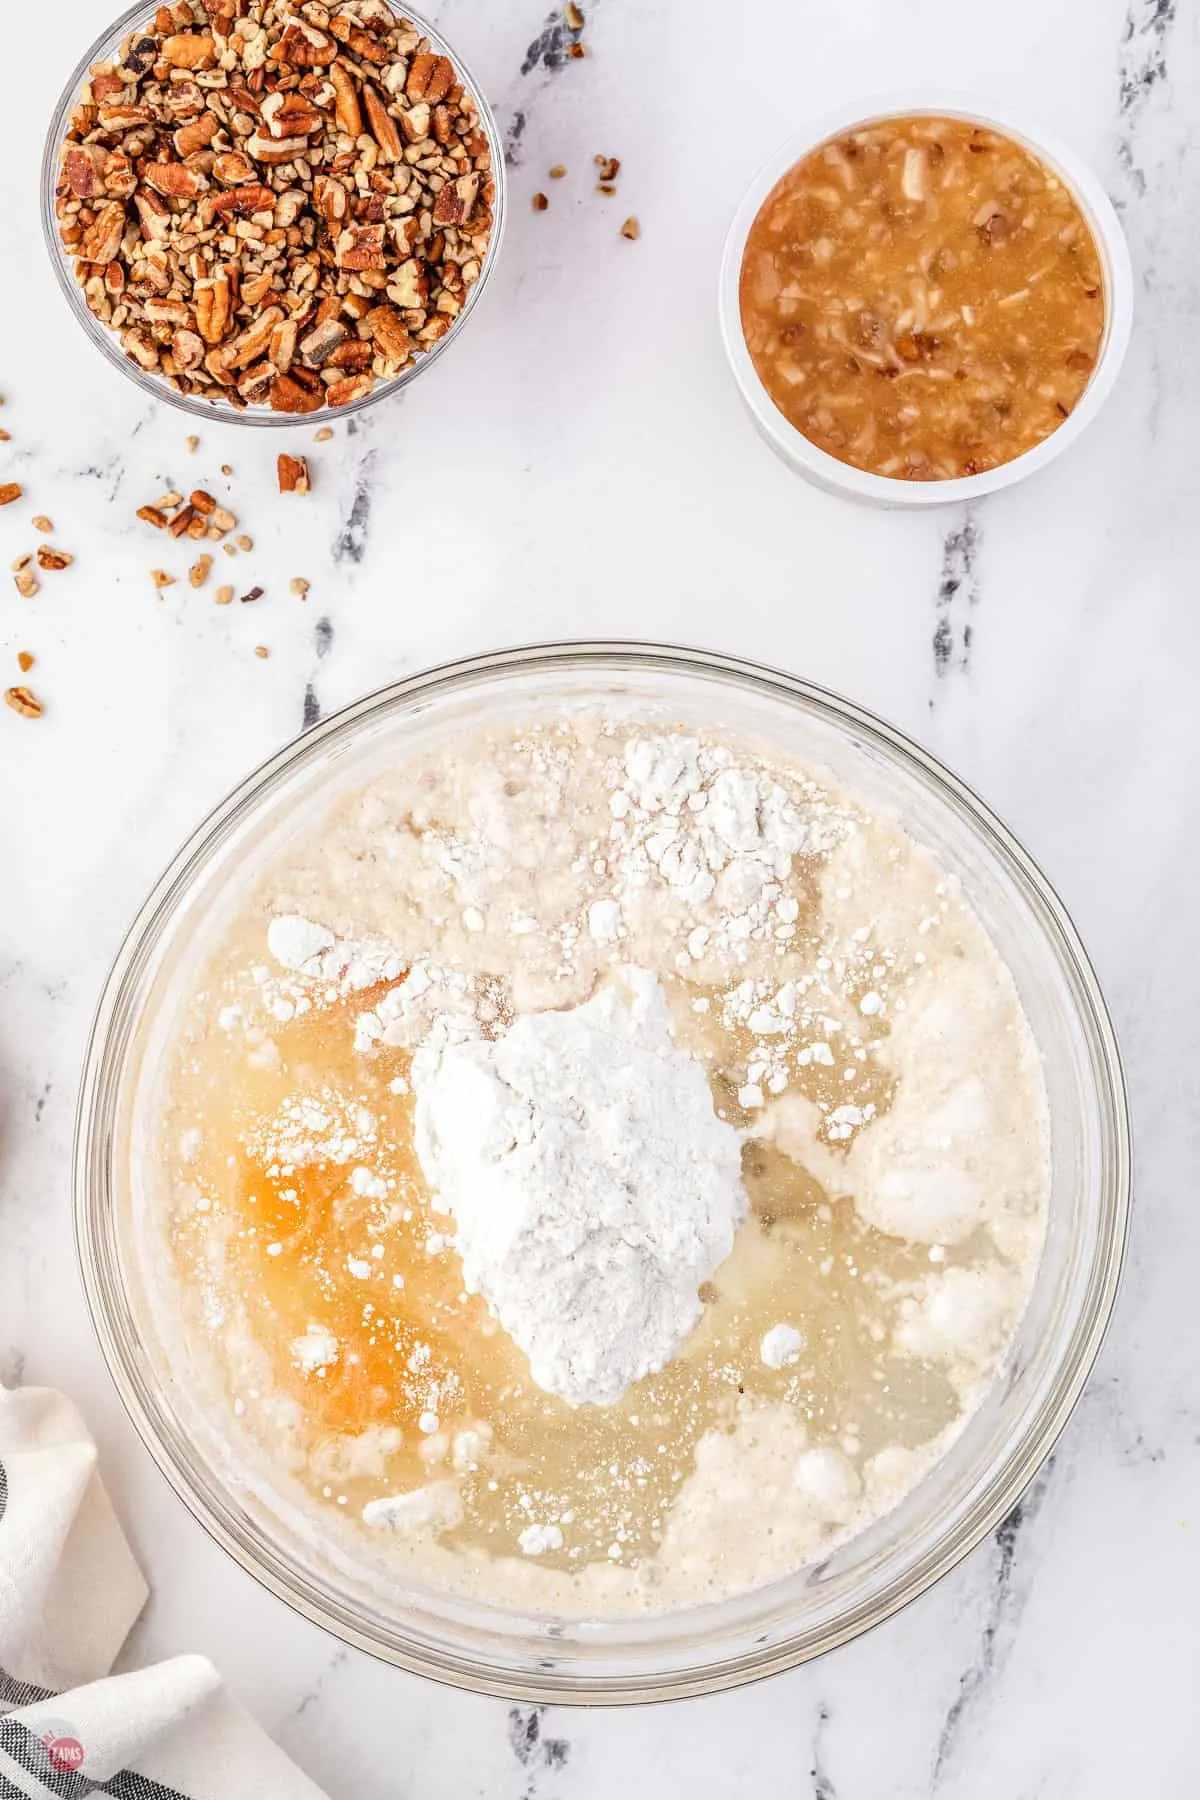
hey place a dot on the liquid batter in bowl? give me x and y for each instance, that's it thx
(601, 1165)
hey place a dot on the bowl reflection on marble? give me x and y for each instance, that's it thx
(157, 386)
(507, 1649)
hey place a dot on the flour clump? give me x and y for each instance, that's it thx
(593, 1186)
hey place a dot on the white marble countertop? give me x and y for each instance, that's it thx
(580, 465)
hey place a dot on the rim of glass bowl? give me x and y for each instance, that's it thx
(541, 1676)
(221, 411)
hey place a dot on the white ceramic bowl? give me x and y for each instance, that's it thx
(884, 490)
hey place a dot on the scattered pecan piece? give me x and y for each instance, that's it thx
(41, 523)
(631, 229)
(27, 583)
(573, 16)
(53, 559)
(293, 475)
(24, 702)
(199, 572)
(540, 202)
(256, 593)
(10, 491)
(24, 661)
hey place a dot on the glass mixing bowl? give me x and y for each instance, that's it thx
(157, 386)
(493, 1648)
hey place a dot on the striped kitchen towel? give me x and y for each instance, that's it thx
(69, 1592)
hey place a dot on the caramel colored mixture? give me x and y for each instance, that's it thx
(923, 299)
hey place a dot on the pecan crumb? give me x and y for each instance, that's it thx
(261, 650)
(608, 167)
(558, 171)
(193, 444)
(631, 229)
(49, 558)
(10, 491)
(41, 523)
(245, 543)
(222, 520)
(23, 702)
(27, 583)
(167, 502)
(540, 202)
(199, 572)
(227, 469)
(223, 596)
(22, 562)
(161, 579)
(573, 16)
(298, 585)
(293, 475)
(324, 435)
(153, 515)
(577, 51)
(256, 593)
(605, 187)
(5, 436)
(24, 661)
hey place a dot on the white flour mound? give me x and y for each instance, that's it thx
(593, 1185)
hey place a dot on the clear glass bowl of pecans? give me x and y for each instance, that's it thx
(264, 212)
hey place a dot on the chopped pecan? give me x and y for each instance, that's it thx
(345, 393)
(233, 169)
(23, 701)
(409, 286)
(291, 116)
(361, 247)
(102, 239)
(429, 78)
(83, 166)
(251, 343)
(275, 150)
(282, 347)
(189, 50)
(293, 475)
(383, 127)
(53, 559)
(319, 345)
(123, 117)
(456, 202)
(237, 203)
(389, 333)
(288, 396)
(197, 135)
(304, 47)
(347, 112)
(175, 181)
(10, 491)
(214, 307)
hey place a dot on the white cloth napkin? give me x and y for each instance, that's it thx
(69, 1592)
